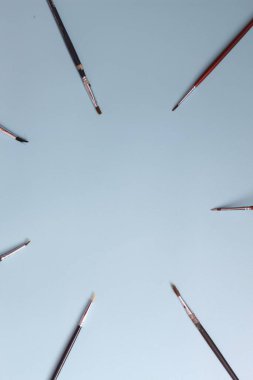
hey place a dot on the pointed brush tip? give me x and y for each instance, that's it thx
(92, 297)
(175, 107)
(98, 110)
(28, 242)
(20, 139)
(175, 290)
(215, 209)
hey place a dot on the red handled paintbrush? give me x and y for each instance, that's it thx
(215, 63)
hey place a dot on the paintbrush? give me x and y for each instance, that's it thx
(3, 256)
(205, 335)
(11, 134)
(73, 54)
(220, 57)
(232, 208)
(72, 340)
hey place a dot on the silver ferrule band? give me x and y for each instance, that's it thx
(85, 313)
(188, 311)
(11, 251)
(186, 96)
(89, 91)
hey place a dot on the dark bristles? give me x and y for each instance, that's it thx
(175, 290)
(98, 110)
(20, 139)
(174, 108)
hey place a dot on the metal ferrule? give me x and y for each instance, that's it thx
(188, 311)
(7, 132)
(85, 313)
(186, 95)
(89, 91)
(243, 208)
(12, 251)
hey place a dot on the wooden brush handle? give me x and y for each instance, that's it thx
(223, 54)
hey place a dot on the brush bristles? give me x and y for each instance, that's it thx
(93, 296)
(20, 139)
(175, 290)
(98, 110)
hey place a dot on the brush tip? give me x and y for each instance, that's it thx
(215, 209)
(20, 139)
(98, 110)
(92, 297)
(175, 290)
(28, 242)
(175, 107)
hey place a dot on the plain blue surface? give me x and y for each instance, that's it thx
(119, 203)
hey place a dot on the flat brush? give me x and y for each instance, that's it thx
(205, 335)
(73, 54)
(11, 134)
(215, 63)
(244, 208)
(72, 340)
(3, 256)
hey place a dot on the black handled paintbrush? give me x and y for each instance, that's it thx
(73, 54)
(205, 335)
(72, 340)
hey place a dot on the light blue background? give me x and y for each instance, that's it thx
(119, 203)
